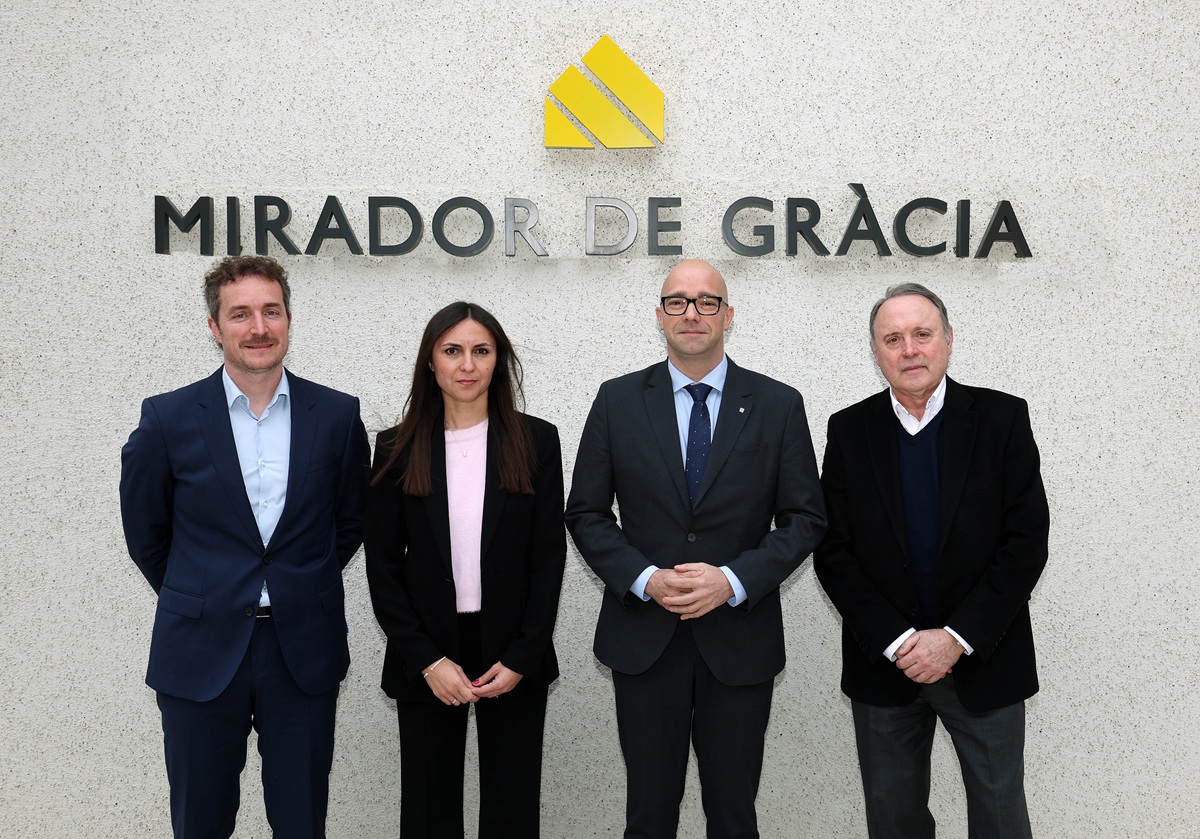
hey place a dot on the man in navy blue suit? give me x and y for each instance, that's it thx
(242, 497)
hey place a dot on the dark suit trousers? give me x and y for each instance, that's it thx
(678, 699)
(206, 748)
(433, 756)
(894, 745)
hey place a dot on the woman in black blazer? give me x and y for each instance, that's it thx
(465, 554)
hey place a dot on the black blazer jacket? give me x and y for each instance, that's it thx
(523, 552)
(761, 471)
(993, 539)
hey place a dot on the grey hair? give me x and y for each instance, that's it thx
(910, 290)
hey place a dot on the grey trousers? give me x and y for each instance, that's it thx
(894, 744)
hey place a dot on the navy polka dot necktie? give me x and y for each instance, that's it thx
(699, 439)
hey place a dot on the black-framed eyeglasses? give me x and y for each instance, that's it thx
(705, 304)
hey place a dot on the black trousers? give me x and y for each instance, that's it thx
(676, 701)
(894, 746)
(206, 748)
(433, 753)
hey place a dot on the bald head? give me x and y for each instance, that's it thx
(695, 341)
(695, 270)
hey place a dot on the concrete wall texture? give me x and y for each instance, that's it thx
(1083, 115)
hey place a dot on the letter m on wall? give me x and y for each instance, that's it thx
(166, 214)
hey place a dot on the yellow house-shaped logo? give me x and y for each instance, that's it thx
(595, 111)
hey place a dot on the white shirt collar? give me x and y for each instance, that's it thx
(932, 408)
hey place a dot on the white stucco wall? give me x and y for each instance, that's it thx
(1083, 115)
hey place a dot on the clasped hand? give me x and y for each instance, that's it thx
(452, 687)
(927, 656)
(690, 590)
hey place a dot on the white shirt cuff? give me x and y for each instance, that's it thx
(890, 652)
(739, 590)
(639, 585)
(966, 647)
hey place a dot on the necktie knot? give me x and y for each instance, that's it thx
(699, 391)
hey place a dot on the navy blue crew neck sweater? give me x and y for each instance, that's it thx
(921, 490)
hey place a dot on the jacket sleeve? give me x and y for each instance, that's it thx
(147, 492)
(589, 513)
(352, 490)
(985, 613)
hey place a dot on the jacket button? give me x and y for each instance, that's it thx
(250, 611)
(691, 537)
(267, 559)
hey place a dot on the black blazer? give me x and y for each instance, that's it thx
(407, 541)
(761, 469)
(993, 545)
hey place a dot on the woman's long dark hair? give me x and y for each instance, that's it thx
(424, 409)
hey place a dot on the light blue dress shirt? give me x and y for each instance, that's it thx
(683, 416)
(264, 446)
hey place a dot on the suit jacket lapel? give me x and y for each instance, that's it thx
(212, 415)
(737, 401)
(881, 433)
(437, 503)
(660, 409)
(493, 496)
(304, 433)
(958, 441)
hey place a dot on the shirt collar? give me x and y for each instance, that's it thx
(715, 377)
(232, 391)
(932, 406)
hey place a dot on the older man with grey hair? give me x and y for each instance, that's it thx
(938, 532)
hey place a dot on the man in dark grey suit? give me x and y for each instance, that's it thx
(702, 456)
(938, 530)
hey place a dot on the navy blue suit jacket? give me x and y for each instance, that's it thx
(190, 529)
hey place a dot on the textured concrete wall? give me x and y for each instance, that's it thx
(1084, 115)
